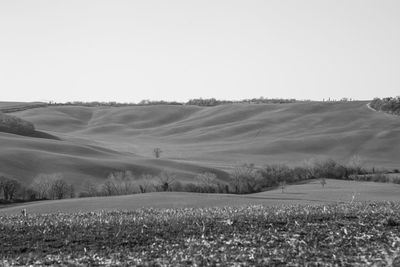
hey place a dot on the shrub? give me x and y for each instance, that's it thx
(245, 179)
(89, 190)
(15, 125)
(323, 182)
(330, 169)
(274, 174)
(119, 183)
(60, 189)
(52, 186)
(166, 181)
(145, 183)
(208, 182)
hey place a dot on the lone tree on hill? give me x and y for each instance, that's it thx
(166, 182)
(157, 152)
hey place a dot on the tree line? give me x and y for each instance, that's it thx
(388, 104)
(197, 102)
(243, 179)
(43, 186)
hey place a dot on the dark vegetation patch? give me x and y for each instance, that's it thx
(336, 235)
(14, 125)
(389, 105)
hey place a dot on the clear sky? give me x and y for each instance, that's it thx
(180, 49)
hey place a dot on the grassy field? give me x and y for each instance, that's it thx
(326, 235)
(19, 106)
(96, 141)
(335, 191)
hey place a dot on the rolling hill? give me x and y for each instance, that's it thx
(95, 141)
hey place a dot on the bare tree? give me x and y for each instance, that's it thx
(109, 188)
(208, 182)
(282, 185)
(245, 179)
(145, 184)
(59, 189)
(89, 189)
(9, 187)
(42, 184)
(52, 186)
(119, 183)
(157, 152)
(165, 181)
(356, 163)
(309, 166)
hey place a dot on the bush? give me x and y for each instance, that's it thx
(166, 182)
(119, 183)
(330, 169)
(15, 125)
(52, 186)
(388, 104)
(208, 183)
(245, 179)
(9, 188)
(272, 175)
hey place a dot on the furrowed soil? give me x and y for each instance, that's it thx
(356, 234)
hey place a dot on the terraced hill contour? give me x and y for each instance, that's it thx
(98, 140)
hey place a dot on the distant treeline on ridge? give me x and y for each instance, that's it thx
(388, 104)
(208, 102)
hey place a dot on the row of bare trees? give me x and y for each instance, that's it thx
(44, 186)
(125, 183)
(52, 186)
(245, 178)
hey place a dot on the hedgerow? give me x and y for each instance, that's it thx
(15, 125)
(388, 104)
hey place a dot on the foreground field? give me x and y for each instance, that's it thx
(341, 234)
(335, 191)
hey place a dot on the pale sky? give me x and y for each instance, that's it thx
(176, 50)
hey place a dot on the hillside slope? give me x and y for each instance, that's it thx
(98, 140)
(309, 193)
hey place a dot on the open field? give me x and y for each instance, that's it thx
(335, 191)
(19, 106)
(98, 140)
(333, 235)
